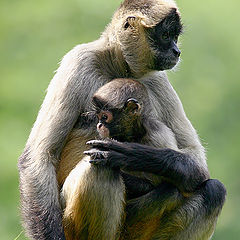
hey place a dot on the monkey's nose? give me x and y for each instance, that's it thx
(176, 52)
(99, 125)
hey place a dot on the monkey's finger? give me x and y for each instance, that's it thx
(97, 154)
(99, 143)
(94, 151)
(91, 151)
(108, 145)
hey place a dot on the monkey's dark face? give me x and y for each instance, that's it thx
(163, 40)
(122, 124)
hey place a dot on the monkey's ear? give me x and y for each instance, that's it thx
(132, 105)
(129, 22)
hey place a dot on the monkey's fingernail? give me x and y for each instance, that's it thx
(90, 142)
(93, 162)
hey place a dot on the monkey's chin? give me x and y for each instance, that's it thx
(166, 64)
(103, 133)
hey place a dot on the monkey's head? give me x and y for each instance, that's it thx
(147, 32)
(119, 110)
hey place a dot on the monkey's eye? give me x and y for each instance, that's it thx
(165, 36)
(129, 19)
(126, 25)
(105, 116)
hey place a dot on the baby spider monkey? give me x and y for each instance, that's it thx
(162, 184)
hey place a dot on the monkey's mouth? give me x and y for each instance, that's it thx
(103, 133)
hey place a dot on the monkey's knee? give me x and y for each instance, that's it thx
(214, 194)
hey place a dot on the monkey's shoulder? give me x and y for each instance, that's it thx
(82, 52)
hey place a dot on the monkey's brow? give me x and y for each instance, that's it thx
(106, 106)
(172, 21)
(173, 24)
(101, 104)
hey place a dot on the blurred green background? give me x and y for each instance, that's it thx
(34, 35)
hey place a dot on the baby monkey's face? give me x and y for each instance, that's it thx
(121, 124)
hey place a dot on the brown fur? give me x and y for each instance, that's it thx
(81, 215)
(71, 155)
(84, 206)
(142, 230)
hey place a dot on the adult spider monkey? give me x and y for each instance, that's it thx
(140, 42)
